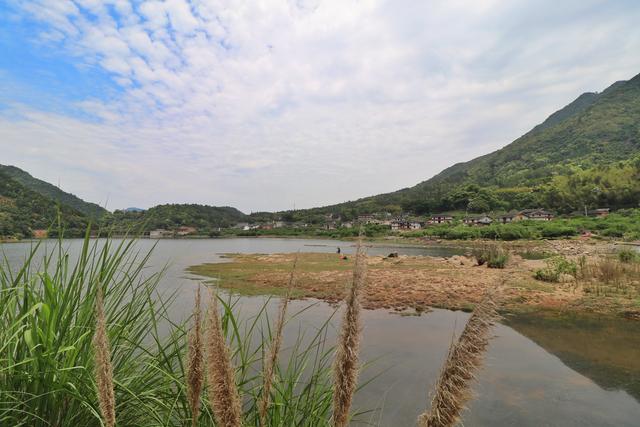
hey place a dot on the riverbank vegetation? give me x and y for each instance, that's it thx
(595, 283)
(88, 339)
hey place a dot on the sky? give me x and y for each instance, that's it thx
(271, 105)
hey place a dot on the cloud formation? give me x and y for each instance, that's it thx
(263, 104)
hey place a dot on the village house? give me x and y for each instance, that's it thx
(331, 225)
(160, 233)
(40, 234)
(366, 219)
(477, 220)
(527, 214)
(401, 224)
(536, 215)
(441, 219)
(185, 231)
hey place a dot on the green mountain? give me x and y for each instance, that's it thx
(566, 154)
(205, 219)
(23, 210)
(52, 192)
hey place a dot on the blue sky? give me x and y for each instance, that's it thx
(261, 105)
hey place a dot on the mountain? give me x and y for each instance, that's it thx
(171, 216)
(595, 131)
(52, 192)
(22, 211)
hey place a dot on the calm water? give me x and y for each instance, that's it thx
(539, 371)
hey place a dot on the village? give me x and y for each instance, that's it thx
(399, 223)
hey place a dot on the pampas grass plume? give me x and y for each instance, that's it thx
(103, 368)
(195, 362)
(346, 363)
(223, 392)
(453, 389)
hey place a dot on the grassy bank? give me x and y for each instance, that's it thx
(597, 284)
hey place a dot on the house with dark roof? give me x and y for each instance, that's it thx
(477, 220)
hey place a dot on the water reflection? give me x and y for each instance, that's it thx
(605, 350)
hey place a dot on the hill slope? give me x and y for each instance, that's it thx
(52, 192)
(23, 210)
(171, 216)
(595, 130)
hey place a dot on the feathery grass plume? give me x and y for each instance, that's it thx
(223, 392)
(103, 369)
(272, 359)
(453, 389)
(346, 363)
(195, 362)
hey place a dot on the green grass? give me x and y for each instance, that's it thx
(47, 323)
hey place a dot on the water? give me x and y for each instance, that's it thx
(539, 371)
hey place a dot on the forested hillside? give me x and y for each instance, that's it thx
(23, 210)
(574, 151)
(52, 192)
(171, 216)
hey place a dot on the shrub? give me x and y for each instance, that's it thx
(492, 255)
(628, 255)
(554, 268)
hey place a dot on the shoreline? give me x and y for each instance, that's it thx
(418, 283)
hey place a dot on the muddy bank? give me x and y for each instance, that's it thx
(416, 283)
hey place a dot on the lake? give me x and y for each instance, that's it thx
(539, 371)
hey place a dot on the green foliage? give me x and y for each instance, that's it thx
(628, 255)
(206, 219)
(493, 255)
(53, 193)
(47, 323)
(569, 161)
(23, 210)
(554, 268)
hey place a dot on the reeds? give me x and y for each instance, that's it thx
(103, 368)
(195, 362)
(346, 363)
(272, 358)
(48, 316)
(223, 392)
(453, 389)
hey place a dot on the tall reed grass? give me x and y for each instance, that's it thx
(86, 339)
(453, 389)
(50, 312)
(346, 364)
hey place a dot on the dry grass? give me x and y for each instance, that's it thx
(346, 363)
(195, 362)
(272, 359)
(104, 369)
(453, 389)
(223, 392)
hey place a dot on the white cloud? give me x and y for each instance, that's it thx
(259, 104)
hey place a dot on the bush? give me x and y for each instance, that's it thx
(628, 255)
(554, 268)
(492, 255)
